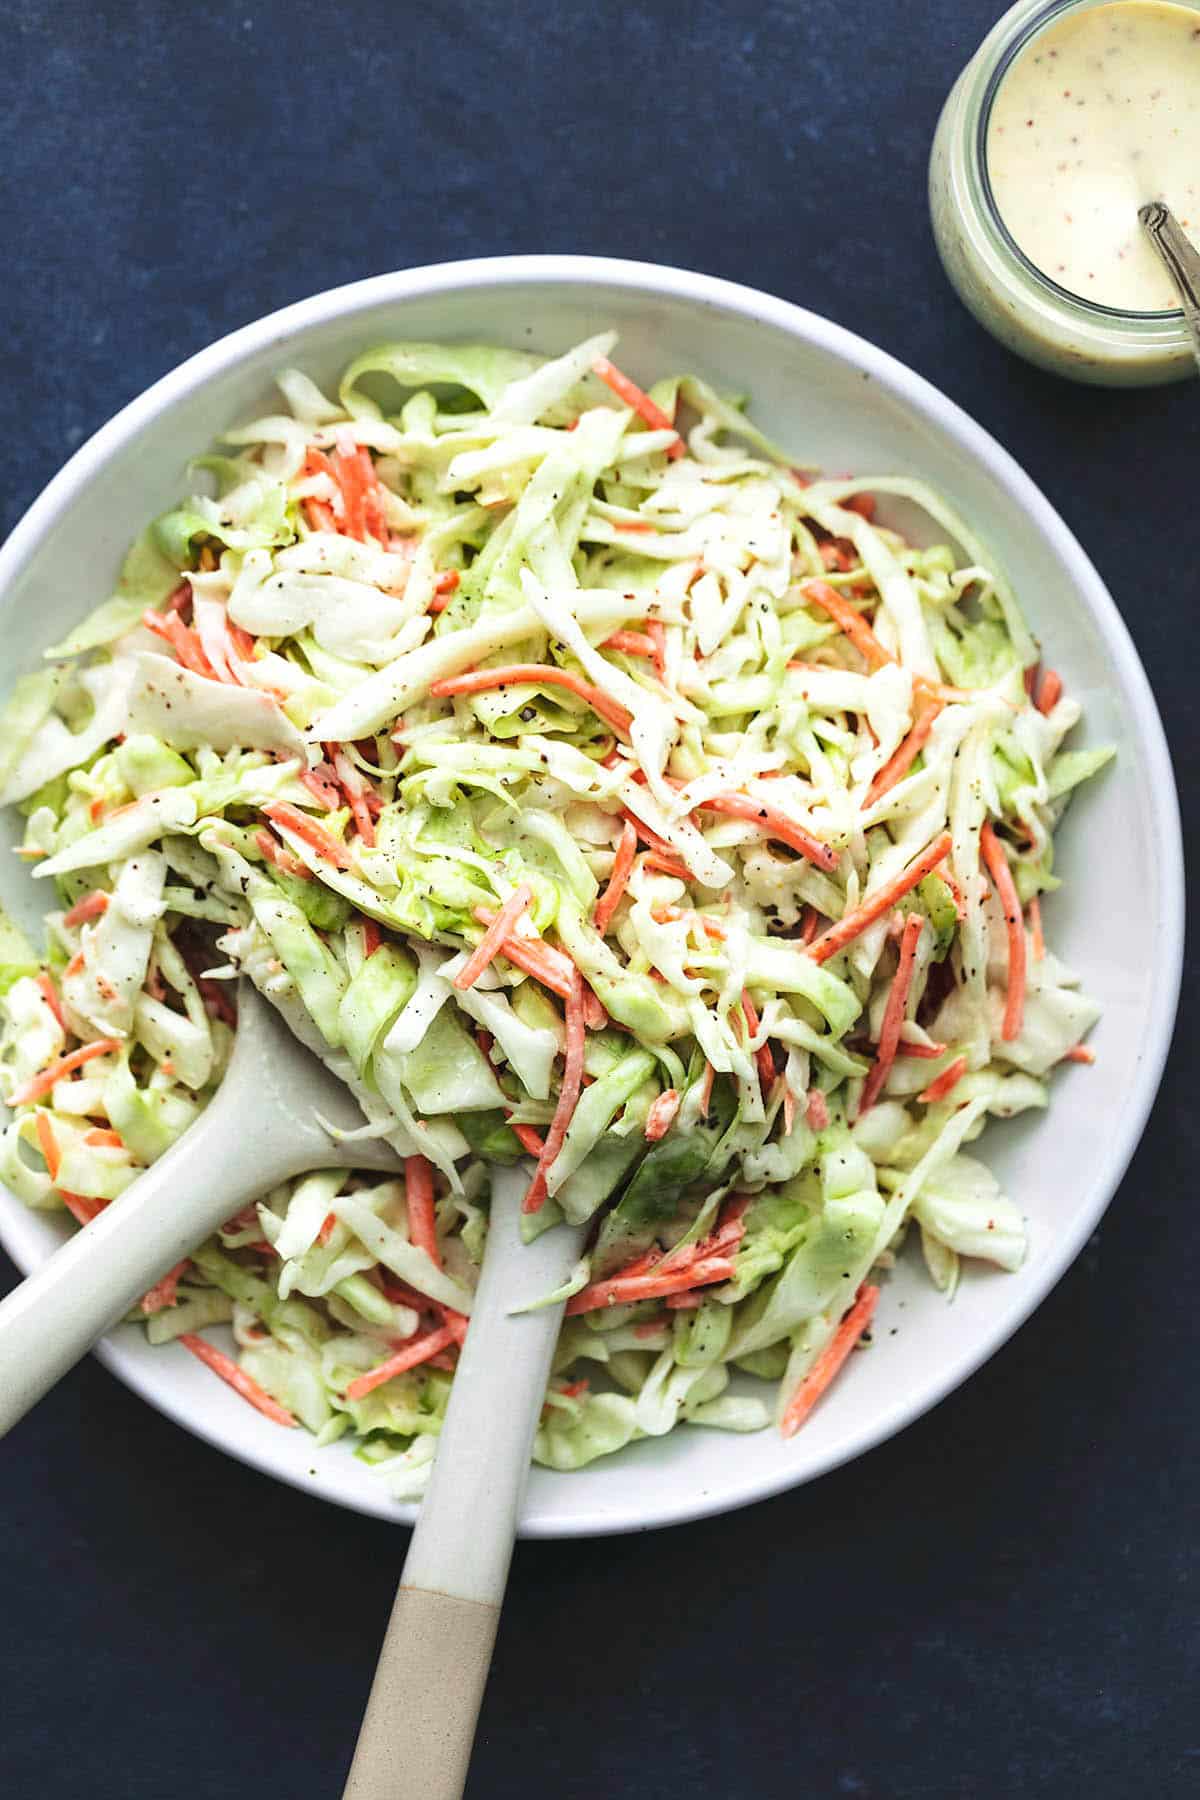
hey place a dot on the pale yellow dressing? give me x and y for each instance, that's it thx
(1099, 113)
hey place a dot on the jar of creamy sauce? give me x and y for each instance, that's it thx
(1072, 114)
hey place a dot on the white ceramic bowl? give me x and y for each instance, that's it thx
(835, 400)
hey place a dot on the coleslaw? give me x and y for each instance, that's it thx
(600, 792)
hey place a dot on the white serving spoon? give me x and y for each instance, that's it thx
(416, 1737)
(261, 1127)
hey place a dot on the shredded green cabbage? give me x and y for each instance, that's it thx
(485, 631)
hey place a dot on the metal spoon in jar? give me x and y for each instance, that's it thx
(1181, 260)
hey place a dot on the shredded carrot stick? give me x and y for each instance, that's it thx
(40, 1084)
(422, 1216)
(443, 587)
(862, 504)
(322, 515)
(623, 1290)
(666, 865)
(238, 1380)
(812, 920)
(850, 623)
(941, 1084)
(76, 964)
(706, 1088)
(375, 509)
(1034, 910)
(328, 1227)
(573, 1389)
(640, 1264)
(893, 1012)
(656, 631)
(930, 1051)
(905, 754)
(651, 838)
(400, 1294)
(274, 852)
(83, 1208)
(1050, 691)
(829, 1362)
(618, 880)
(48, 1144)
(162, 1294)
(764, 1061)
(630, 643)
(636, 397)
(997, 867)
(328, 848)
(90, 907)
(50, 996)
(730, 1231)
(773, 823)
(243, 643)
(179, 598)
(182, 639)
(355, 790)
(1080, 1053)
(356, 479)
(535, 957)
(477, 681)
(530, 1140)
(594, 1015)
(568, 1094)
(882, 900)
(661, 1116)
(454, 1322)
(492, 941)
(104, 1139)
(322, 785)
(684, 1302)
(817, 1111)
(372, 936)
(418, 1350)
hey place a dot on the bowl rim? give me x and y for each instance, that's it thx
(918, 396)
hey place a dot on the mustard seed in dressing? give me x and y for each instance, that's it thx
(1099, 113)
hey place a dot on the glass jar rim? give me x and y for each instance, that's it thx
(1009, 47)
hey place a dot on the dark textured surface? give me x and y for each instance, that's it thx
(1000, 1603)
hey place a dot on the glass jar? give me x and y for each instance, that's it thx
(1014, 300)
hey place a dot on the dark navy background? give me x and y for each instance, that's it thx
(1003, 1601)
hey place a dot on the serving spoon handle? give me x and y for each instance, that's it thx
(262, 1126)
(416, 1736)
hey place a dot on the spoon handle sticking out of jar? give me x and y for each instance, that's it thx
(1181, 258)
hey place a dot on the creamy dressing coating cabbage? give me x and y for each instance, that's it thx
(260, 756)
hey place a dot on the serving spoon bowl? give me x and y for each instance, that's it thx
(263, 1126)
(269, 1120)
